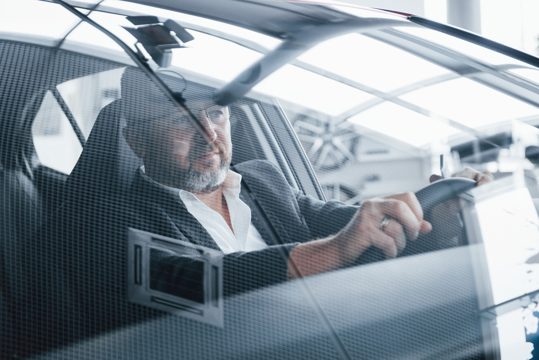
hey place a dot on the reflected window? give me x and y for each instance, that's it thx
(527, 73)
(213, 56)
(55, 140)
(49, 20)
(87, 95)
(403, 125)
(470, 103)
(307, 89)
(461, 46)
(373, 64)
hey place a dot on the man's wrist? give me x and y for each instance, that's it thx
(348, 247)
(313, 257)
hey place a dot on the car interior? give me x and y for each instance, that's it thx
(45, 208)
(60, 218)
(39, 203)
(32, 192)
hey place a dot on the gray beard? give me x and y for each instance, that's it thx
(197, 182)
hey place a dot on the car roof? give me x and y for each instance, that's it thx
(281, 19)
(301, 24)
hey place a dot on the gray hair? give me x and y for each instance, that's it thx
(143, 100)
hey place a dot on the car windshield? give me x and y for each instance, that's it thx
(251, 180)
(443, 92)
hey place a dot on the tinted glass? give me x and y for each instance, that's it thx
(172, 224)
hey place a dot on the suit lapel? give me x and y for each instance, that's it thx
(265, 218)
(258, 218)
(174, 208)
(187, 223)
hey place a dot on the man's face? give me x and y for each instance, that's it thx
(179, 153)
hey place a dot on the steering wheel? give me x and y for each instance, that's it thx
(429, 197)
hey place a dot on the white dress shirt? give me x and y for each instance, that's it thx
(244, 236)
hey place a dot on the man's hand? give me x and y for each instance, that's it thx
(384, 223)
(445, 216)
(480, 178)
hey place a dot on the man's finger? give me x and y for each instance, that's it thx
(478, 177)
(426, 227)
(402, 213)
(394, 230)
(483, 178)
(384, 242)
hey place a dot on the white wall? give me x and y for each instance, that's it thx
(416, 7)
(511, 22)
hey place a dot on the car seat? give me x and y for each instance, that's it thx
(88, 234)
(21, 215)
(86, 237)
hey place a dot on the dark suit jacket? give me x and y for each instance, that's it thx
(83, 275)
(283, 216)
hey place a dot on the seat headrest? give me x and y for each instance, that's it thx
(107, 164)
(17, 150)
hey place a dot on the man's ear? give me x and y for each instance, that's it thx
(135, 142)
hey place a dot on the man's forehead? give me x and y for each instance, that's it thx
(198, 97)
(143, 100)
(194, 110)
(198, 105)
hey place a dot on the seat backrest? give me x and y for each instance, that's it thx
(33, 287)
(106, 163)
(21, 215)
(27, 198)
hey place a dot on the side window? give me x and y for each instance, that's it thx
(102, 88)
(54, 138)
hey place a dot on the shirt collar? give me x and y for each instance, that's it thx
(232, 183)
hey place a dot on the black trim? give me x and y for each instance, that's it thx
(214, 283)
(138, 265)
(176, 305)
(299, 166)
(69, 115)
(476, 39)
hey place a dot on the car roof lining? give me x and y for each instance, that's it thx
(290, 49)
(299, 25)
(298, 36)
(279, 18)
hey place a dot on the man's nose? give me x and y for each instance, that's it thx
(208, 126)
